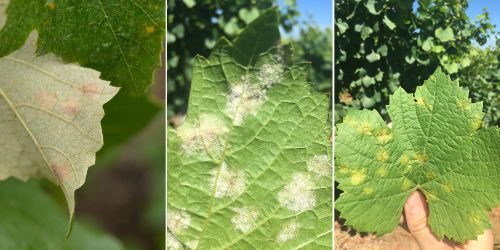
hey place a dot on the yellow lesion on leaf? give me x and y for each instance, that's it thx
(382, 172)
(430, 175)
(447, 188)
(421, 158)
(343, 169)
(150, 29)
(477, 122)
(430, 196)
(382, 155)
(421, 102)
(383, 136)
(463, 104)
(406, 185)
(365, 128)
(404, 159)
(368, 190)
(358, 177)
(475, 218)
(51, 6)
(351, 122)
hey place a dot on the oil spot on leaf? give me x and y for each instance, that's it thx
(358, 177)
(382, 155)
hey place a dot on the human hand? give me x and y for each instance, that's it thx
(415, 219)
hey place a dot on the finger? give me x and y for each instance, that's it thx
(416, 215)
(402, 223)
(484, 241)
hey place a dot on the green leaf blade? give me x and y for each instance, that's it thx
(242, 151)
(123, 41)
(436, 145)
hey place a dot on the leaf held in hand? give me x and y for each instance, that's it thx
(436, 145)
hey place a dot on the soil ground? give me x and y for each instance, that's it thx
(347, 239)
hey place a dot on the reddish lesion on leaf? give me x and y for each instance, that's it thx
(60, 170)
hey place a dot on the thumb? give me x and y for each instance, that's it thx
(416, 215)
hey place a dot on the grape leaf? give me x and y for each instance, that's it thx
(251, 165)
(33, 220)
(50, 115)
(445, 35)
(121, 39)
(436, 145)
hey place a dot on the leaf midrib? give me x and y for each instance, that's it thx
(25, 126)
(214, 189)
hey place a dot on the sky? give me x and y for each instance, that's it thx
(321, 11)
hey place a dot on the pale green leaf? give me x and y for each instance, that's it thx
(370, 5)
(342, 26)
(389, 23)
(436, 145)
(445, 35)
(248, 15)
(373, 57)
(428, 44)
(250, 168)
(50, 115)
(189, 3)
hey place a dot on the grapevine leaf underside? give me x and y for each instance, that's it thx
(436, 145)
(50, 114)
(251, 165)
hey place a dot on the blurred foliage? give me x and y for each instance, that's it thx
(315, 45)
(483, 80)
(193, 28)
(383, 44)
(117, 125)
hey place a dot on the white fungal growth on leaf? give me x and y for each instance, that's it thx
(319, 165)
(207, 134)
(288, 231)
(192, 244)
(270, 74)
(298, 195)
(178, 220)
(172, 242)
(245, 219)
(244, 99)
(228, 182)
